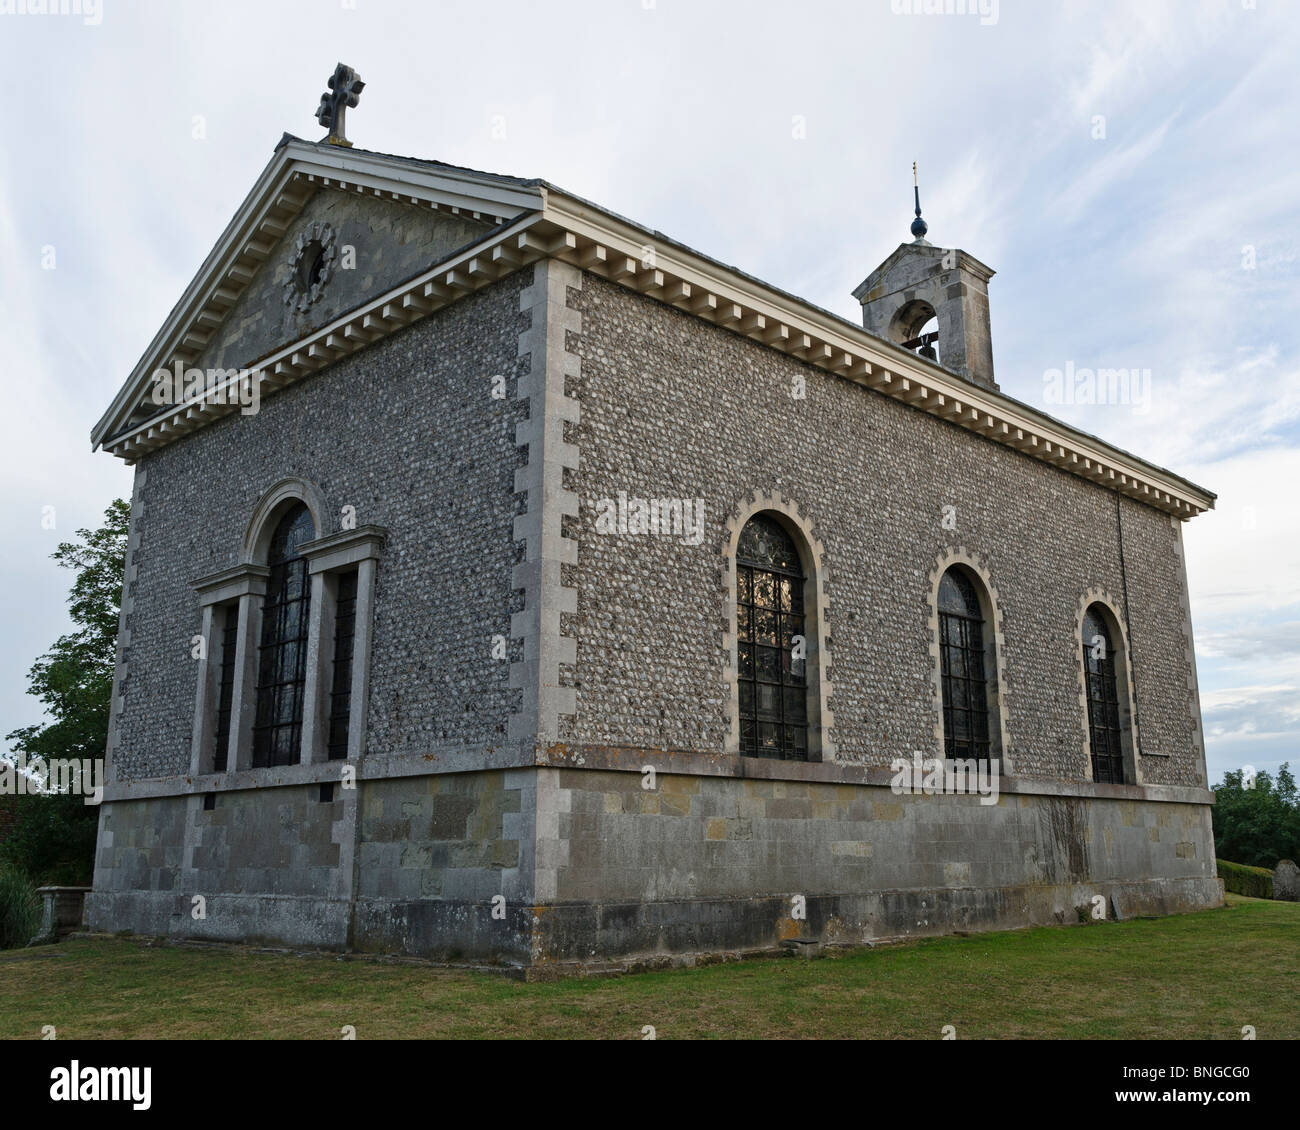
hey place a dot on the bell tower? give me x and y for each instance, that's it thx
(934, 301)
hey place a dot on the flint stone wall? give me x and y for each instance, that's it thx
(673, 407)
(408, 433)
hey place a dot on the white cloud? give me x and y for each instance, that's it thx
(1243, 557)
(1112, 167)
(1251, 714)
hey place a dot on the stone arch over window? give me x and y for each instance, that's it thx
(271, 508)
(967, 652)
(1106, 694)
(778, 531)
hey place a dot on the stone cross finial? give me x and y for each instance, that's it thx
(345, 88)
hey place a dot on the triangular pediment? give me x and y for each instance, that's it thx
(372, 219)
(369, 245)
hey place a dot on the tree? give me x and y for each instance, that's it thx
(54, 836)
(1260, 825)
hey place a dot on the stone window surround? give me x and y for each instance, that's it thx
(994, 646)
(811, 554)
(242, 588)
(1129, 740)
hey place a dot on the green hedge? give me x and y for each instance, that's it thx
(1255, 882)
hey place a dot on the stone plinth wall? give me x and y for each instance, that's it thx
(700, 863)
(550, 866)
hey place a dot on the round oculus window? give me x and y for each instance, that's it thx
(311, 267)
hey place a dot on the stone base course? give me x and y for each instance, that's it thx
(564, 869)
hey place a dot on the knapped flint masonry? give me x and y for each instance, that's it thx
(433, 687)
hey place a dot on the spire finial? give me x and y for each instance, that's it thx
(919, 226)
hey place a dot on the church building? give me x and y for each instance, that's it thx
(508, 582)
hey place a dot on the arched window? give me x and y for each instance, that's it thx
(1105, 728)
(282, 654)
(772, 679)
(963, 666)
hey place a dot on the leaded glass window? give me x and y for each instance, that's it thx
(282, 654)
(1104, 730)
(962, 668)
(773, 683)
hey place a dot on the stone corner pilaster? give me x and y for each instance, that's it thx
(547, 503)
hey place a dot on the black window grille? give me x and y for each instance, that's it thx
(282, 655)
(345, 625)
(1104, 729)
(770, 613)
(229, 623)
(962, 667)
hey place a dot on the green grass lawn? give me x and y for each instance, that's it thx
(1194, 976)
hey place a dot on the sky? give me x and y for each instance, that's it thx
(1131, 171)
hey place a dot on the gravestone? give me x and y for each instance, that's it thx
(1286, 881)
(61, 912)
